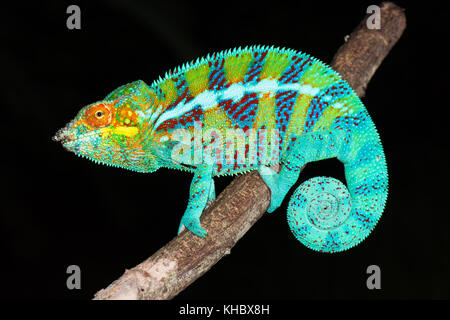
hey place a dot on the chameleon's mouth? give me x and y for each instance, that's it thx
(63, 136)
(67, 138)
(68, 134)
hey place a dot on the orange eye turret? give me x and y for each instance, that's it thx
(99, 115)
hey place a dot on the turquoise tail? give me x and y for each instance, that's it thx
(326, 216)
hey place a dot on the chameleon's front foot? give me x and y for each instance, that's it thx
(191, 220)
(202, 193)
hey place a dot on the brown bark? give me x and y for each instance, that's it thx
(187, 257)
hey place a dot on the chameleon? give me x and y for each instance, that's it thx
(247, 109)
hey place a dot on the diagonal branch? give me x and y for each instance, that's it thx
(187, 257)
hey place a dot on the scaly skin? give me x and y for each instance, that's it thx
(241, 110)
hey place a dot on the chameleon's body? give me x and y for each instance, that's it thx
(284, 106)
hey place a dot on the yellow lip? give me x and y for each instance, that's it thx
(126, 131)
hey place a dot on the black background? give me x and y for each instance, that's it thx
(58, 209)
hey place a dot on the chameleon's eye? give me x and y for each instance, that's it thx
(99, 115)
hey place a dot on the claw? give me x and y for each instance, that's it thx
(270, 177)
(273, 206)
(192, 223)
(181, 228)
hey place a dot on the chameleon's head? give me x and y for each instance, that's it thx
(112, 132)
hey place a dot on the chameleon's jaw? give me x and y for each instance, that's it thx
(68, 138)
(73, 132)
(62, 135)
(73, 143)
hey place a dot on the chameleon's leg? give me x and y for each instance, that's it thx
(306, 148)
(201, 192)
(212, 193)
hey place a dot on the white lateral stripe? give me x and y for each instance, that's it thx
(235, 92)
(209, 99)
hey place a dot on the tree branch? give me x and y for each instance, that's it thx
(187, 257)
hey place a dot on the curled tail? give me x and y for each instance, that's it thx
(323, 214)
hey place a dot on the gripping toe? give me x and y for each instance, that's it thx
(270, 177)
(192, 223)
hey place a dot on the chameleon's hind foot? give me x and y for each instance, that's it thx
(191, 220)
(270, 177)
